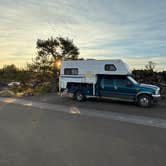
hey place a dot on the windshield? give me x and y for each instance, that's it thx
(132, 80)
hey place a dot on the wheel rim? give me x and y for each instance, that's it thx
(144, 101)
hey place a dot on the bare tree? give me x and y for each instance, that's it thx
(150, 66)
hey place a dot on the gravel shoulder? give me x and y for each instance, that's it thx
(157, 111)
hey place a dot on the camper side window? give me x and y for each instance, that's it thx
(71, 71)
(110, 67)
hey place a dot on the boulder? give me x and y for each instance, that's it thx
(6, 93)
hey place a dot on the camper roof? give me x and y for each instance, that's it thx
(93, 67)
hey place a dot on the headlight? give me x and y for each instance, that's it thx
(157, 92)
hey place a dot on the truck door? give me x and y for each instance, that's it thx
(125, 89)
(107, 87)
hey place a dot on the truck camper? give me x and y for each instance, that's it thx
(109, 79)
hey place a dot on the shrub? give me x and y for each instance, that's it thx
(43, 87)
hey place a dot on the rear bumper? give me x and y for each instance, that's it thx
(156, 98)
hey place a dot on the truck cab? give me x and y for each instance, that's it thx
(127, 89)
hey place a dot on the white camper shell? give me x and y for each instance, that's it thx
(86, 71)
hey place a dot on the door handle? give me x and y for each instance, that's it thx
(115, 87)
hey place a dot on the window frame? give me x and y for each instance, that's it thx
(70, 72)
(112, 66)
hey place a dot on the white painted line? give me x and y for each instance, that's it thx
(140, 120)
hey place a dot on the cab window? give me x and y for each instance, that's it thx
(121, 82)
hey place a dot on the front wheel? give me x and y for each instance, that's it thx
(79, 96)
(144, 100)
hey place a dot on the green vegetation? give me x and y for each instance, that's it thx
(42, 74)
(150, 76)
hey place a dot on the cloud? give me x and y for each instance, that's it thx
(101, 29)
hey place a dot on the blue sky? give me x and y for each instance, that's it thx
(134, 30)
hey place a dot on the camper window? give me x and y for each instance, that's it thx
(110, 67)
(71, 71)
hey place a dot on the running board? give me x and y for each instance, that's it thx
(111, 98)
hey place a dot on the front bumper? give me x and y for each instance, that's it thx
(156, 98)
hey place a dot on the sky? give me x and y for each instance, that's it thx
(132, 30)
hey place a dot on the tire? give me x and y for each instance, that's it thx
(79, 96)
(144, 100)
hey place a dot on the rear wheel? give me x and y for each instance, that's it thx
(79, 96)
(144, 100)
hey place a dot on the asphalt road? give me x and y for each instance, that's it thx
(33, 136)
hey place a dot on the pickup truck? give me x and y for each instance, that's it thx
(116, 87)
